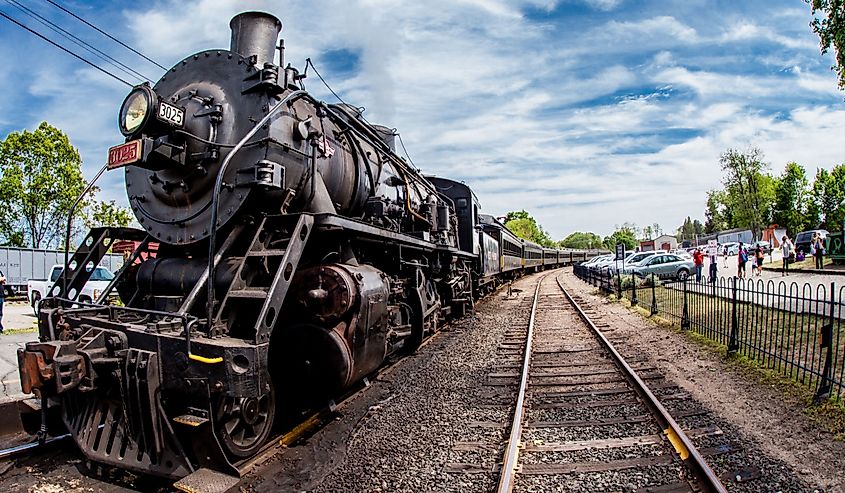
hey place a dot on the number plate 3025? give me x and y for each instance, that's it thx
(173, 115)
(124, 154)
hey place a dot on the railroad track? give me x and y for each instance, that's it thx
(587, 419)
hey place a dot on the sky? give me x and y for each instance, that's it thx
(587, 114)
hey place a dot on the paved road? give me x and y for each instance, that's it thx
(16, 315)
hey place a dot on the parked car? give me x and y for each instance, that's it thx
(685, 254)
(593, 261)
(665, 266)
(803, 239)
(38, 288)
(633, 260)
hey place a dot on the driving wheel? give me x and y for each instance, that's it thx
(244, 423)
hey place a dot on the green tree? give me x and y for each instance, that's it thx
(827, 199)
(829, 23)
(687, 230)
(581, 241)
(648, 233)
(527, 228)
(627, 234)
(791, 194)
(717, 216)
(749, 189)
(108, 214)
(513, 215)
(40, 178)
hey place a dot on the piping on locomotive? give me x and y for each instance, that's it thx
(322, 250)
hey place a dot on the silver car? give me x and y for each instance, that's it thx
(633, 261)
(665, 266)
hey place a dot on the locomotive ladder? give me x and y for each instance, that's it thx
(278, 244)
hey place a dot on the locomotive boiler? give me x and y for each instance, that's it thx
(296, 251)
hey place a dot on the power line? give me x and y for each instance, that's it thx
(79, 42)
(83, 59)
(308, 63)
(121, 43)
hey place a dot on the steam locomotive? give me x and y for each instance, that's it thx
(286, 252)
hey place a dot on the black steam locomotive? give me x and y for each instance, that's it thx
(286, 252)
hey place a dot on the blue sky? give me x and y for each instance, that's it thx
(585, 113)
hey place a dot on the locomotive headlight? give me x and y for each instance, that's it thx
(136, 109)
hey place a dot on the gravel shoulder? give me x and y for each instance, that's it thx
(765, 413)
(399, 434)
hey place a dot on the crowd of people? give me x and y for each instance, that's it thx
(757, 255)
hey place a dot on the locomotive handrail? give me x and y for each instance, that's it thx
(218, 185)
(70, 223)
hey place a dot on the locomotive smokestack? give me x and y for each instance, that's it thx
(255, 33)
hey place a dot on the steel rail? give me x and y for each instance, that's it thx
(708, 480)
(509, 464)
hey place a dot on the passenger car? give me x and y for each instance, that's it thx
(803, 239)
(664, 266)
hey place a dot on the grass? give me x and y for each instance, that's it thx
(760, 330)
(807, 263)
(27, 330)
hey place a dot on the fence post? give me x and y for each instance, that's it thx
(653, 296)
(733, 345)
(823, 391)
(618, 284)
(634, 300)
(685, 314)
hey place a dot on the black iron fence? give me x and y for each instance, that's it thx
(795, 330)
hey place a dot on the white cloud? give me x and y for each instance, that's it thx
(665, 29)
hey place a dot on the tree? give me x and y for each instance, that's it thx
(581, 240)
(749, 190)
(40, 178)
(827, 199)
(648, 233)
(108, 214)
(513, 215)
(687, 230)
(831, 31)
(627, 234)
(791, 193)
(526, 227)
(717, 216)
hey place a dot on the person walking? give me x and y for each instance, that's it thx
(787, 248)
(714, 265)
(698, 260)
(725, 257)
(741, 259)
(759, 257)
(819, 252)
